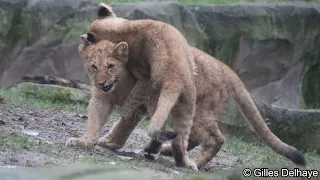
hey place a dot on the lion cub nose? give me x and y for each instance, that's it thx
(102, 84)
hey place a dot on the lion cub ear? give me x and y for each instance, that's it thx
(105, 11)
(88, 38)
(121, 50)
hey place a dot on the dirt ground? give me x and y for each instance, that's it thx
(47, 131)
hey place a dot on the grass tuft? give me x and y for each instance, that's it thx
(43, 101)
(14, 141)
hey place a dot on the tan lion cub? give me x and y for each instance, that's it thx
(159, 55)
(215, 82)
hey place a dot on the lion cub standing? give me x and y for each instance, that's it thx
(101, 102)
(215, 82)
(159, 55)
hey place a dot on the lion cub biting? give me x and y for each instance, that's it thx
(159, 55)
(215, 82)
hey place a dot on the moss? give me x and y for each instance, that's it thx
(58, 95)
(73, 34)
(225, 50)
(14, 141)
(62, 95)
(311, 84)
(17, 30)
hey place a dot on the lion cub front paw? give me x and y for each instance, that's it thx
(107, 143)
(80, 142)
(192, 165)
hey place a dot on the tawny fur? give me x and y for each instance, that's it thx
(160, 55)
(215, 82)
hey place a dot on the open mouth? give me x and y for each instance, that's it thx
(107, 88)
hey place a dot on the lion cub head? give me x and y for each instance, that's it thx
(105, 61)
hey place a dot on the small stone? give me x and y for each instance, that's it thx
(2, 123)
(29, 132)
(125, 157)
(83, 116)
(175, 172)
(112, 163)
(149, 157)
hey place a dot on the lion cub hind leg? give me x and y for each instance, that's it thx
(183, 127)
(211, 142)
(153, 147)
(192, 143)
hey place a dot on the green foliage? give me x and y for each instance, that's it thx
(14, 141)
(311, 88)
(311, 82)
(261, 154)
(54, 95)
(17, 30)
(44, 103)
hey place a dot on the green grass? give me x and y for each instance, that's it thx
(49, 103)
(256, 154)
(202, 1)
(31, 101)
(14, 141)
(248, 153)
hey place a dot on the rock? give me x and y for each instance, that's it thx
(53, 92)
(30, 132)
(2, 123)
(273, 47)
(57, 81)
(74, 171)
(173, 13)
(41, 37)
(299, 128)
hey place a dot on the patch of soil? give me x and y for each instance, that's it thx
(53, 127)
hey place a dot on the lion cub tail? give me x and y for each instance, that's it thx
(249, 109)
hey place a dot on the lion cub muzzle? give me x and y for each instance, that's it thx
(107, 88)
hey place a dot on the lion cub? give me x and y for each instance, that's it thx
(215, 82)
(159, 55)
(101, 102)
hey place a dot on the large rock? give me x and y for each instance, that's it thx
(273, 47)
(299, 128)
(41, 37)
(173, 13)
(51, 92)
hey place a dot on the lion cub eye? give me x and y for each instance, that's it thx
(94, 67)
(110, 66)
